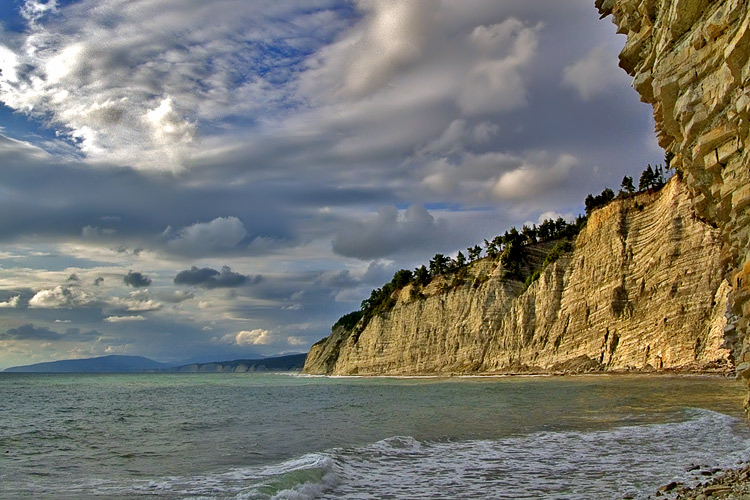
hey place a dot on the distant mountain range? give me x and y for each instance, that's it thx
(134, 364)
(104, 364)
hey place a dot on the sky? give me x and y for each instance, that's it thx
(192, 181)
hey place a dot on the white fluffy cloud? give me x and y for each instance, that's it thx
(594, 74)
(533, 178)
(128, 83)
(59, 297)
(124, 319)
(496, 175)
(496, 82)
(392, 36)
(251, 337)
(11, 303)
(138, 301)
(411, 52)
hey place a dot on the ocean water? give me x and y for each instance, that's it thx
(280, 436)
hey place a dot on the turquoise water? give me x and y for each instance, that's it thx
(262, 436)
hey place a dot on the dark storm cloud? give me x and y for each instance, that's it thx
(136, 279)
(211, 278)
(31, 332)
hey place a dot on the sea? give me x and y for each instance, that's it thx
(286, 436)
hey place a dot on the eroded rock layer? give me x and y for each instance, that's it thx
(690, 59)
(643, 289)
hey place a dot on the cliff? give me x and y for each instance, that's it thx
(643, 289)
(690, 59)
(292, 362)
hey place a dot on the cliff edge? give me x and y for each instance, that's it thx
(690, 59)
(642, 289)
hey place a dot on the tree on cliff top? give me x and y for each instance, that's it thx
(438, 264)
(475, 253)
(421, 276)
(593, 202)
(627, 185)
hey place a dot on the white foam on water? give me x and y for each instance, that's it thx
(304, 478)
(628, 461)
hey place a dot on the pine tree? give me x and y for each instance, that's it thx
(474, 253)
(647, 179)
(627, 185)
(438, 264)
(460, 259)
(421, 276)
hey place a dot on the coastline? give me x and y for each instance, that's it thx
(727, 484)
(533, 374)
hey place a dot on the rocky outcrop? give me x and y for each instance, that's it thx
(643, 289)
(690, 59)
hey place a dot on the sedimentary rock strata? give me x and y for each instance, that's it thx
(690, 59)
(643, 289)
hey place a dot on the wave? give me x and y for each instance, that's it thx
(629, 461)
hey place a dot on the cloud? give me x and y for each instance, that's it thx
(211, 278)
(201, 238)
(252, 337)
(31, 332)
(532, 179)
(593, 75)
(337, 279)
(33, 10)
(130, 85)
(176, 296)
(297, 341)
(11, 303)
(554, 215)
(496, 83)
(391, 36)
(94, 232)
(137, 301)
(136, 279)
(388, 231)
(124, 319)
(60, 296)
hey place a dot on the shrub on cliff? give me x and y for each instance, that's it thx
(594, 202)
(555, 253)
(348, 321)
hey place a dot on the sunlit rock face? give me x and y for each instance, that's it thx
(690, 59)
(643, 289)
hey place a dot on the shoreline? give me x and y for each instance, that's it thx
(541, 374)
(725, 484)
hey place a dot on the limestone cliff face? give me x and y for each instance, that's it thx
(644, 288)
(690, 59)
